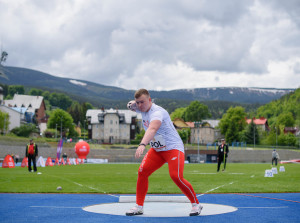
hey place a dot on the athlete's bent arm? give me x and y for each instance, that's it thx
(149, 135)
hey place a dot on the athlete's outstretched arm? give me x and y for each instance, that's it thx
(149, 135)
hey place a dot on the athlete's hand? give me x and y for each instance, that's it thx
(139, 151)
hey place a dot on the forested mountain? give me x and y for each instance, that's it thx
(97, 94)
(283, 108)
(216, 108)
(217, 99)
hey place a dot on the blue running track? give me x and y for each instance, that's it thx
(53, 208)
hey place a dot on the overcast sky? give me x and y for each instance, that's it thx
(156, 44)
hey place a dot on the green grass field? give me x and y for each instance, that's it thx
(121, 179)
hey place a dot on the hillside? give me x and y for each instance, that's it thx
(109, 96)
(289, 103)
(85, 89)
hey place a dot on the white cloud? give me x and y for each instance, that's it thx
(180, 75)
(156, 44)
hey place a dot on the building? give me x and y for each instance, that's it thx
(180, 124)
(261, 122)
(292, 130)
(205, 132)
(32, 107)
(202, 133)
(112, 126)
(15, 117)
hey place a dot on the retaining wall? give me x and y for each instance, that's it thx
(127, 155)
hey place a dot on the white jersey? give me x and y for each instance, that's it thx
(275, 155)
(166, 138)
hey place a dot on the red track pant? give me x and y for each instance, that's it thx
(154, 160)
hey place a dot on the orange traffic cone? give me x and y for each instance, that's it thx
(68, 161)
(49, 162)
(8, 162)
(24, 162)
(62, 161)
(57, 162)
(76, 161)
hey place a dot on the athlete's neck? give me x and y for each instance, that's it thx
(149, 106)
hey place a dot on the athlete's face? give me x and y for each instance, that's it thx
(143, 103)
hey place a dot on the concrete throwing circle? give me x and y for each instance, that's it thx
(159, 209)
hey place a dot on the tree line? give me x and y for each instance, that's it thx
(281, 113)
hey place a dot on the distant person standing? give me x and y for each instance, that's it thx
(13, 156)
(222, 154)
(31, 154)
(65, 156)
(275, 157)
(17, 157)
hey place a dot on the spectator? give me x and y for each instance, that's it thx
(275, 157)
(222, 154)
(17, 157)
(31, 154)
(65, 157)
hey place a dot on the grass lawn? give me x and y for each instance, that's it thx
(121, 179)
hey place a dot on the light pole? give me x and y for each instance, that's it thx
(197, 125)
(55, 131)
(4, 124)
(61, 118)
(276, 136)
(254, 135)
(84, 129)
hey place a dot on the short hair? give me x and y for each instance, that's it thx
(141, 92)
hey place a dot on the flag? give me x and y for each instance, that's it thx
(59, 148)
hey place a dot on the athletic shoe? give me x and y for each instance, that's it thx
(196, 209)
(136, 210)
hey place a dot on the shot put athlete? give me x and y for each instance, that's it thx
(166, 146)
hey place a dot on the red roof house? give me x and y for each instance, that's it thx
(292, 130)
(260, 122)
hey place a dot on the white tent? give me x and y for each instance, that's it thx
(40, 162)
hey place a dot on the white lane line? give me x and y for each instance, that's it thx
(52, 207)
(216, 173)
(204, 173)
(93, 188)
(78, 184)
(265, 207)
(215, 189)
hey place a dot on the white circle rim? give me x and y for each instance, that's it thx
(159, 209)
